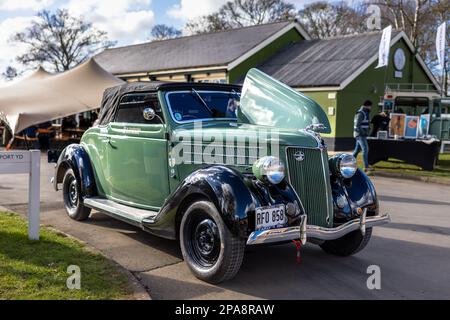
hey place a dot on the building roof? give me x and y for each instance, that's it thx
(203, 50)
(327, 62)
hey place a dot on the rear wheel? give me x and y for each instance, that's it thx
(349, 244)
(210, 250)
(73, 201)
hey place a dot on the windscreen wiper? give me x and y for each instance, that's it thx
(202, 100)
(235, 93)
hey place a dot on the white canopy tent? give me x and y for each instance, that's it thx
(44, 97)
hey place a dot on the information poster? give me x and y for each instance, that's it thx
(388, 106)
(411, 127)
(397, 125)
(424, 125)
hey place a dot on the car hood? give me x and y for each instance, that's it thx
(223, 131)
(266, 101)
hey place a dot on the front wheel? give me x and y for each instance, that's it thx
(210, 250)
(349, 244)
(73, 202)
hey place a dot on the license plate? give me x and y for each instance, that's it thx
(270, 217)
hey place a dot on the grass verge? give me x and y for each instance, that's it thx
(440, 173)
(38, 269)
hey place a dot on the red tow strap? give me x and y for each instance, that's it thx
(298, 246)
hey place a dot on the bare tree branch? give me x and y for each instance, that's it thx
(60, 41)
(241, 13)
(163, 32)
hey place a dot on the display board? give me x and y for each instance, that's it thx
(397, 125)
(411, 127)
(424, 125)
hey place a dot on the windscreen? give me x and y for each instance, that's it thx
(195, 105)
(266, 101)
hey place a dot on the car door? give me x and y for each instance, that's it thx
(138, 154)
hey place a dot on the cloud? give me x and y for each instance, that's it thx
(300, 4)
(189, 9)
(12, 5)
(9, 50)
(127, 21)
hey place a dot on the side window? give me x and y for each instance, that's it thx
(437, 110)
(132, 106)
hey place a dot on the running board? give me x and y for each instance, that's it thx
(121, 212)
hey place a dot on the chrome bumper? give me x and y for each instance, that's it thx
(305, 231)
(280, 235)
(321, 233)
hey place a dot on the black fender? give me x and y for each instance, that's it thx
(235, 195)
(76, 158)
(351, 194)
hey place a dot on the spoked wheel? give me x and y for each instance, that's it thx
(210, 250)
(72, 197)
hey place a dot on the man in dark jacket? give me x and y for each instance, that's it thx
(380, 122)
(361, 130)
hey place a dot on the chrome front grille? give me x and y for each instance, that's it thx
(310, 179)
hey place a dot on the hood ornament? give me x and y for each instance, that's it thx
(316, 127)
(314, 130)
(299, 156)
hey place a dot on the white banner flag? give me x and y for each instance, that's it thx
(440, 45)
(385, 46)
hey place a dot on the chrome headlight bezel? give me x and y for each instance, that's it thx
(344, 165)
(269, 169)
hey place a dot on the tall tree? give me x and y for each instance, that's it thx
(60, 41)
(439, 12)
(408, 16)
(419, 19)
(241, 13)
(163, 32)
(10, 73)
(324, 19)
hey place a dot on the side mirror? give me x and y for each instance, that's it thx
(149, 114)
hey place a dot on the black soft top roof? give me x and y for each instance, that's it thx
(112, 96)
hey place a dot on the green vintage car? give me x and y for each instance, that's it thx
(218, 168)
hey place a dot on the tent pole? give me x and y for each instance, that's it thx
(26, 142)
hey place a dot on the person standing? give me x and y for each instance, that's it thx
(361, 130)
(45, 133)
(380, 122)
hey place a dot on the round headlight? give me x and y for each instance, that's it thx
(270, 168)
(347, 165)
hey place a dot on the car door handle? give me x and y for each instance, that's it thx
(111, 143)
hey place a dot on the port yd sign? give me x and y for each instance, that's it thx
(19, 162)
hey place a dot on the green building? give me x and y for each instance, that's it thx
(339, 73)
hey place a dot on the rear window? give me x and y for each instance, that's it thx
(132, 106)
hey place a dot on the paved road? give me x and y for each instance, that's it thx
(413, 252)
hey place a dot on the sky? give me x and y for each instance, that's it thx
(126, 21)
